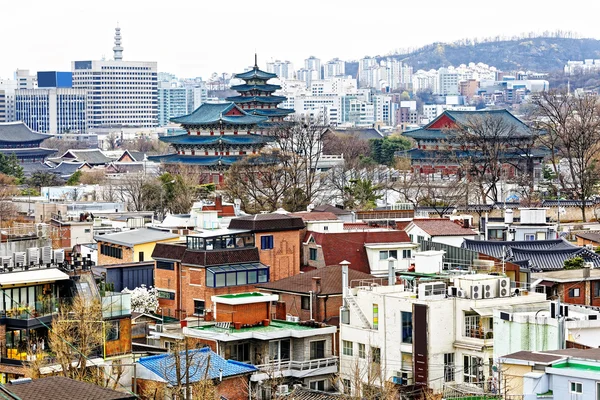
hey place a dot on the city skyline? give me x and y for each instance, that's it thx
(200, 39)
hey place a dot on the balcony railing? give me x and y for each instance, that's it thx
(116, 304)
(278, 366)
(35, 310)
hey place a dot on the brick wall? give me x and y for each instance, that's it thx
(320, 261)
(284, 257)
(323, 307)
(244, 313)
(586, 293)
(235, 388)
(106, 260)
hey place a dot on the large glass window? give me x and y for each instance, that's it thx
(407, 327)
(237, 275)
(317, 349)
(279, 350)
(471, 368)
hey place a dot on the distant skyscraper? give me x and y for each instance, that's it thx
(172, 102)
(283, 69)
(7, 99)
(25, 80)
(123, 93)
(335, 67)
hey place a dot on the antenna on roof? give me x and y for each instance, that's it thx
(255, 60)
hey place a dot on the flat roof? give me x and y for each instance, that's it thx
(276, 329)
(136, 236)
(219, 232)
(244, 298)
(566, 275)
(35, 276)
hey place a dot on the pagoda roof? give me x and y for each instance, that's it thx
(450, 155)
(255, 73)
(441, 126)
(257, 99)
(270, 112)
(207, 140)
(265, 87)
(28, 151)
(213, 113)
(195, 159)
(18, 132)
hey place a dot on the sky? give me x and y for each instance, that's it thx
(197, 38)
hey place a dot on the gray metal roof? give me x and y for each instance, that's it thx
(135, 236)
(91, 156)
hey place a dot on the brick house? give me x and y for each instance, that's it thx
(575, 286)
(209, 263)
(285, 353)
(277, 237)
(367, 250)
(230, 378)
(130, 246)
(325, 287)
(588, 238)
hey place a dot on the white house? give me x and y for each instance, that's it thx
(439, 230)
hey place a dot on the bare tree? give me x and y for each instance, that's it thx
(112, 141)
(571, 127)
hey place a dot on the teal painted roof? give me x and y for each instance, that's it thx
(257, 99)
(255, 73)
(217, 139)
(270, 112)
(423, 133)
(265, 88)
(196, 159)
(209, 113)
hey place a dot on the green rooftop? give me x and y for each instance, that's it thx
(578, 366)
(240, 295)
(274, 326)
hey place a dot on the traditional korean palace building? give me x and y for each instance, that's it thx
(16, 138)
(438, 152)
(256, 95)
(219, 134)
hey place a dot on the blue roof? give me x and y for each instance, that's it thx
(217, 139)
(422, 133)
(195, 159)
(270, 112)
(265, 87)
(255, 73)
(211, 113)
(204, 363)
(28, 151)
(258, 99)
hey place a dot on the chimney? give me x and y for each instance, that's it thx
(391, 271)
(586, 269)
(316, 284)
(218, 203)
(344, 265)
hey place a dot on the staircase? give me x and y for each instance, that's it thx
(354, 306)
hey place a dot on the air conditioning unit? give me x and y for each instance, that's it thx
(488, 290)
(41, 230)
(20, 258)
(432, 290)
(159, 328)
(33, 256)
(46, 255)
(446, 266)
(292, 318)
(515, 291)
(283, 389)
(504, 287)
(59, 256)
(476, 292)
(5, 262)
(407, 377)
(461, 293)
(452, 291)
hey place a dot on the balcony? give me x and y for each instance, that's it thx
(296, 369)
(116, 305)
(35, 314)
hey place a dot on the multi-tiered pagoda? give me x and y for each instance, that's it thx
(217, 135)
(256, 95)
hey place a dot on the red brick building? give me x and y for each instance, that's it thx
(575, 286)
(323, 286)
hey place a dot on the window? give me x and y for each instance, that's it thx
(141, 256)
(471, 369)
(576, 387)
(346, 347)
(112, 330)
(163, 294)
(279, 350)
(385, 254)
(347, 386)
(473, 328)
(496, 234)
(406, 253)
(375, 316)
(597, 289)
(266, 242)
(420, 238)
(165, 265)
(312, 254)
(449, 367)
(406, 327)
(529, 236)
(111, 251)
(574, 292)
(361, 351)
(317, 385)
(305, 303)
(238, 352)
(199, 307)
(317, 349)
(376, 355)
(412, 237)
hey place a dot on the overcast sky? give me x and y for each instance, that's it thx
(197, 38)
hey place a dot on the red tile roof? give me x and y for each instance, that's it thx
(402, 224)
(350, 245)
(225, 210)
(442, 227)
(331, 281)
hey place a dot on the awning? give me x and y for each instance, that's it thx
(546, 283)
(32, 276)
(484, 312)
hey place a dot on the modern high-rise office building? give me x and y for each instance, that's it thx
(7, 99)
(122, 93)
(172, 102)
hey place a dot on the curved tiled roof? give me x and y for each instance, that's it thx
(442, 227)
(212, 113)
(18, 132)
(270, 112)
(226, 139)
(265, 87)
(28, 151)
(255, 73)
(257, 99)
(195, 159)
(498, 248)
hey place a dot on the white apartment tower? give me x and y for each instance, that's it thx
(122, 93)
(283, 69)
(333, 68)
